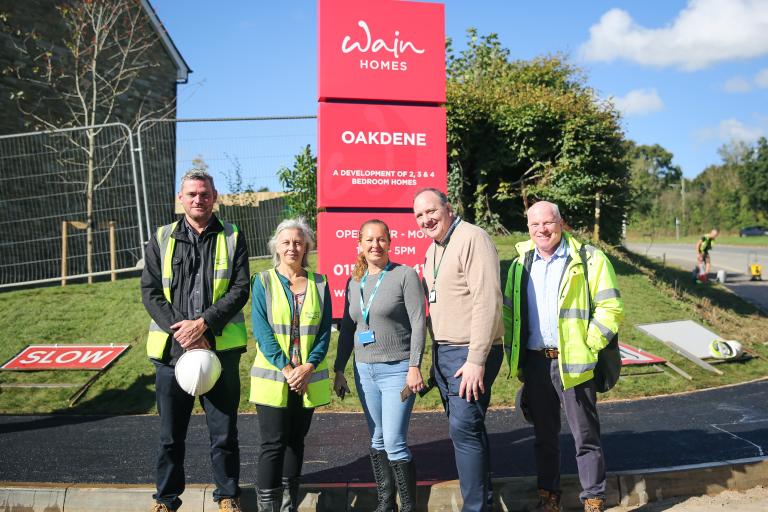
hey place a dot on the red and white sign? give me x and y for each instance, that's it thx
(378, 156)
(632, 355)
(383, 50)
(338, 239)
(65, 357)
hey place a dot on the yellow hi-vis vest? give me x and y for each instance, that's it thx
(581, 333)
(234, 334)
(268, 384)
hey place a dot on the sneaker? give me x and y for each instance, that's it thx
(594, 505)
(161, 507)
(229, 505)
(548, 501)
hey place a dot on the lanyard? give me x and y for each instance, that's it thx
(366, 309)
(446, 239)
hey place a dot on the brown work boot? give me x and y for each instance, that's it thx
(161, 507)
(229, 505)
(549, 501)
(594, 505)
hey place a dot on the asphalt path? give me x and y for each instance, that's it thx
(735, 260)
(702, 427)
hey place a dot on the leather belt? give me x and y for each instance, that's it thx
(551, 353)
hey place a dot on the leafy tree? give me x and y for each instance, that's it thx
(755, 176)
(521, 131)
(106, 47)
(300, 181)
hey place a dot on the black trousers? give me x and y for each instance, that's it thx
(175, 408)
(543, 392)
(282, 431)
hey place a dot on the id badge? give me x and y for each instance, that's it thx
(433, 296)
(366, 337)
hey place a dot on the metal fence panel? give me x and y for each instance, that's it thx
(242, 154)
(80, 176)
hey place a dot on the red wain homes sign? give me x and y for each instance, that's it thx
(65, 357)
(377, 156)
(381, 50)
(381, 126)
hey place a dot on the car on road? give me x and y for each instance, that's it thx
(753, 231)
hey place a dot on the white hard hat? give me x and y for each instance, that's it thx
(197, 371)
(726, 349)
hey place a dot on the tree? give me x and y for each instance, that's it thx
(755, 176)
(652, 176)
(521, 131)
(300, 181)
(105, 48)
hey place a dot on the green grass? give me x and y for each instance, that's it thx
(113, 313)
(722, 239)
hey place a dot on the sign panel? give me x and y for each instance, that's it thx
(687, 334)
(337, 234)
(378, 156)
(383, 50)
(65, 357)
(632, 355)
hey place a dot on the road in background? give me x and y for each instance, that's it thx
(735, 260)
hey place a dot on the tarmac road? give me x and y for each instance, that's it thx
(735, 260)
(695, 428)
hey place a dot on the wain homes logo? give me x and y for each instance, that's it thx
(397, 48)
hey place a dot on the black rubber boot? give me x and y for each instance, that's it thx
(290, 495)
(269, 500)
(385, 481)
(405, 476)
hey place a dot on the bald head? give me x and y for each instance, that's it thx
(545, 227)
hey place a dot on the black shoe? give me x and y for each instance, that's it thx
(385, 481)
(405, 476)
(269, 500)
(290, 494)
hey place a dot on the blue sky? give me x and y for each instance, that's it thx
(690, 75)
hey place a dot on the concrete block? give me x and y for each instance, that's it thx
(30, 499)
(642, 488)
(124, 499)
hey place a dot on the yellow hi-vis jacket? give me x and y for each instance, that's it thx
(581, 333)
(234, 334)
(268, 384)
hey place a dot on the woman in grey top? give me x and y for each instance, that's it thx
(385, 323)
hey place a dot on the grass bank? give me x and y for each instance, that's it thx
(113, 313)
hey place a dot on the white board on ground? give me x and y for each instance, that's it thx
(687, 334)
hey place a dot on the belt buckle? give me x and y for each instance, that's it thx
(551, 353)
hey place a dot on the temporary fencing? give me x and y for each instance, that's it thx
(82, 202)
(69, 204)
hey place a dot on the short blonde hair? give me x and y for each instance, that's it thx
(307, 234)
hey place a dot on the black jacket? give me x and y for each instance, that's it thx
(215, 315)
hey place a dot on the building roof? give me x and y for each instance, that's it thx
(182, 69)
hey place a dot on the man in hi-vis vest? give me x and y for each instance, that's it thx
(562, 305)
(194, 286)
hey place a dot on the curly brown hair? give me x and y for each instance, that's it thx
(361, 265)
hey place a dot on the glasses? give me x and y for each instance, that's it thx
(548, 225)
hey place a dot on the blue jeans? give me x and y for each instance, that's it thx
(466, 423)
(379, 386)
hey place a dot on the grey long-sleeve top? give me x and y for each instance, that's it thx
(396, 317)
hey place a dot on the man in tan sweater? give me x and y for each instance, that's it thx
(461, 278)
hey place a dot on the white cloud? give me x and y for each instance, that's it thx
(761, 79)
(704, 33)
(737, 84)
(734, 130)
(639, 102)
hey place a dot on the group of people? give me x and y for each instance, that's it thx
(548, 325)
